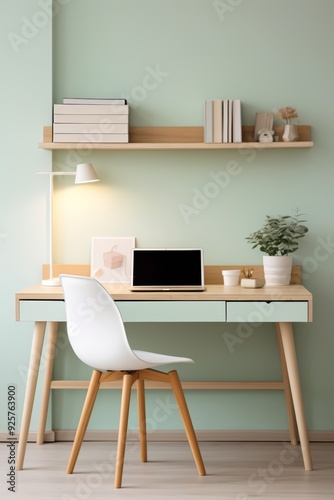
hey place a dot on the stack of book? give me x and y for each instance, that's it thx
(222, 121)
(91, 120)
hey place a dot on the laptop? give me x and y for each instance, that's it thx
(167, 269)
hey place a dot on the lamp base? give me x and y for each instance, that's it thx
(51, 282)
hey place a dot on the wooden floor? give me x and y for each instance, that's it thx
(235, 471)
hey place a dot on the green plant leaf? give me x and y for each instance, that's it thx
(279, 235)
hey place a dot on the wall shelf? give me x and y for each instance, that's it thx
(179, 138)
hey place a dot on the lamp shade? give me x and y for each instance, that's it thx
(85, 173)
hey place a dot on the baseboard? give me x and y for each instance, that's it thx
(316, 436)
(50, 437)
(103, 435)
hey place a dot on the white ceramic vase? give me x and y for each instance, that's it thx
(277, 269)
(290, 133)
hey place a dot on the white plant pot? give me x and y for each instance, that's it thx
(277, 269)
(231, 277)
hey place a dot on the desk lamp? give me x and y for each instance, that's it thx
(84, 173)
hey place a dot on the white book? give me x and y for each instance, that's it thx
(208, 121)
(90, 118)
(90, 128)
(92, 100)
(91, 138)
(217, 120)
(230, 120)
(225, 120)
(236, 121)
(90, 109)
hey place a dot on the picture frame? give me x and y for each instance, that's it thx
(111, 258)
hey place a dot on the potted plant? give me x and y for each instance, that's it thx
(278, 238)
(287, 114)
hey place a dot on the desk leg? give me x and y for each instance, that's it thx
(50, 355)
(35, 358)
(292, 368)
(287, 391)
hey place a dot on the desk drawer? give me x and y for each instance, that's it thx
(265, 312)
(172, 311)
(135, 311)
(42, 310)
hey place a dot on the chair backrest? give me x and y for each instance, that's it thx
(95, 326)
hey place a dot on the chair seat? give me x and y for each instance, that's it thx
(136, 360)
(142, 360)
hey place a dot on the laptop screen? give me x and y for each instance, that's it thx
(171, 267)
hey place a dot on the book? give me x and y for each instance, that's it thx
(230, 120)
(217, 121)
(208, 121)
(70, 118)
(91, 138)
(90, 109)
(236, 121)
(93, 128)
(92, 100)
(263, 121)
(225, 120)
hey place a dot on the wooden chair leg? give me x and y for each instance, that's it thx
(182, 404)
(84, 419)
(142, 419)
(123, 427)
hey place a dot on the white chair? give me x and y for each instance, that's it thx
(97, 335)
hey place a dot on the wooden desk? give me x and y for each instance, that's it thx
(283, 306)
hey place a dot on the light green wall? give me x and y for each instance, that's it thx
(26, 100)
(261, 51)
